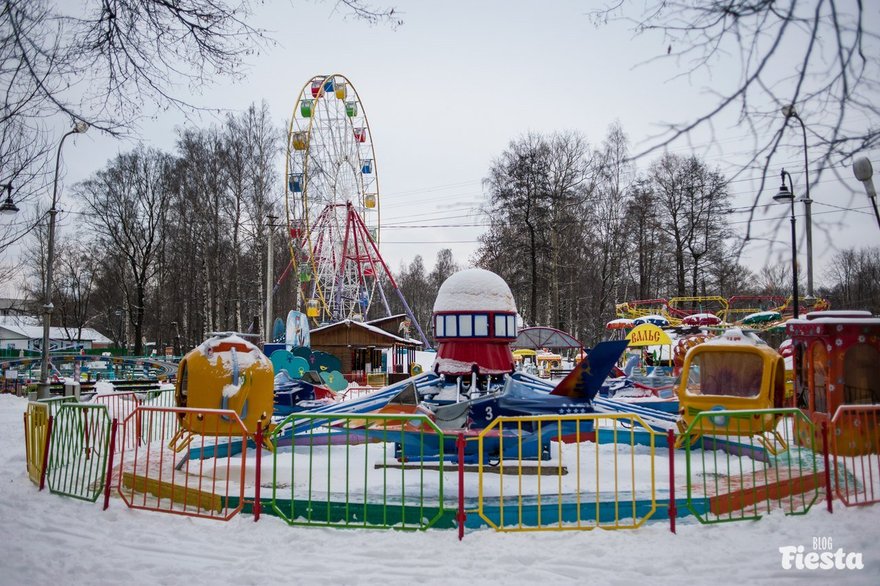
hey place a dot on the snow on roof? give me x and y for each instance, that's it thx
(474, 290)
(854, 313)
(371, 328)
(838, 316)
(735, 336)
(32, 329)
(702, 316)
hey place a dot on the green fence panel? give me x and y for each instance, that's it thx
(55, 403)
(78, 451)
(348, 470)
(747, 463)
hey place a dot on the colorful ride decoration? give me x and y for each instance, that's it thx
(648, 334)
(224, 372)
(733, 372)
(731, 310)
(682, 346)
(837, 360)
(678, 308)
(333, 207)
(640, 307)
(299, 361)
(701, 319)
(297, 333)
(657, 320)
(474, 324)
(623, 323)
(644, 337)
(524, 356)
(761, 318)
(740, 306)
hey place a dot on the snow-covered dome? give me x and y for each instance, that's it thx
(474, 290)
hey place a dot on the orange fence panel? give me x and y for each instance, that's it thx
(855, 447)
(199, 473)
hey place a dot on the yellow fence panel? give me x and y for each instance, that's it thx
(36, 427)
(592, 471)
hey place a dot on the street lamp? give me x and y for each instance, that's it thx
(790, 112)
(177, 351)
(864, 172)
(786, 194)
(79, 127)
(9, 208)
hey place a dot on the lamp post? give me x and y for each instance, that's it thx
(864, 172)
(177, 351)
(786, 194)
(8, 208)
(79, 127)
(790, 112)
(270, 279)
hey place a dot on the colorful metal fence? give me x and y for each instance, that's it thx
(36, 432)
(55, 403)
(359, 470)
(744, 473)
(601, 475)
(855, 441)
(201, 472)
(79, 449)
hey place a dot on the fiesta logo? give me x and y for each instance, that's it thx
(821, 558)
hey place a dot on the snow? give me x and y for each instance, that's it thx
(104, 388)
(474, 290)
(371, 328)
(58, 540)
(450, 365)
(736, 336)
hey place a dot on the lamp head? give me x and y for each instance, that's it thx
(789, 111)
(862, 169)
(784, 194)
(864, 172)
(8, 207)
(80, 126)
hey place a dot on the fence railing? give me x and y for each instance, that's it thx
(200, 473)
(536, 473)
(359, 470)
(855, 447)
(79, 450)
(37, 422)
(601, 475)
(747, 464)
(356, 392)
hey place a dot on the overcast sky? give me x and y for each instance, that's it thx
(446, 92)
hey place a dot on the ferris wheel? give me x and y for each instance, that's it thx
(332, 200)
(332, 204)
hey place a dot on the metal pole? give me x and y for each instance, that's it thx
(673, 512)
(794, 271)
(43, 387)
(807, 210)
(270, 270)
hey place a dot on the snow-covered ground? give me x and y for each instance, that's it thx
(55, 540)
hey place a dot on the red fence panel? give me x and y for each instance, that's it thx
(120, 406)
(199, 473)
(855, 443)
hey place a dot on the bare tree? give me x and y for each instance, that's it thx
(109, 62)
(816, 55)
(127, 204)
